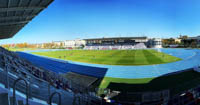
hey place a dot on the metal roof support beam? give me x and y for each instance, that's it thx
(19, 3)
(17, 17)
(8, 6)
(12, 23)
(20, 8)
(29, 3)
(40, 2)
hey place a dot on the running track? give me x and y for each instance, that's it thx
(191, 58)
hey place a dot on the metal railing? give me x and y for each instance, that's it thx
(50, 98)
(39, 89)
(14, 88)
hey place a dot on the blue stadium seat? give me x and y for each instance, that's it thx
(63, 66)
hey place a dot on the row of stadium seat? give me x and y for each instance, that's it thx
(116, 47)
(63, 67)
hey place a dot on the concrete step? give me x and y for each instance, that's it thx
(20, 102)
(4, 99)
(11, 101)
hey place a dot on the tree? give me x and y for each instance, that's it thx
(194, 44)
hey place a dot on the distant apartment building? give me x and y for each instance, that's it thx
(172, 42)
(74, 43)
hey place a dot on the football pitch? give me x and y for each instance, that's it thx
(113, 57)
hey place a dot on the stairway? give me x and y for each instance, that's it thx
(6, 100)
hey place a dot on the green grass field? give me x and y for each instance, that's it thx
(113, 57)
(176, 83)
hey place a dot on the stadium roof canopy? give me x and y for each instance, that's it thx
(114, 38)
(15, 14)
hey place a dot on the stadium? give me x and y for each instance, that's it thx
(128, 79)
(107, 71)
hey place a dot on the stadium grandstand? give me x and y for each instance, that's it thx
(122, 43)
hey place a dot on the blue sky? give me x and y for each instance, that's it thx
(71, 19)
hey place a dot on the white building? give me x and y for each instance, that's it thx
(74, 43)
(58, 43)
(155, 43)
